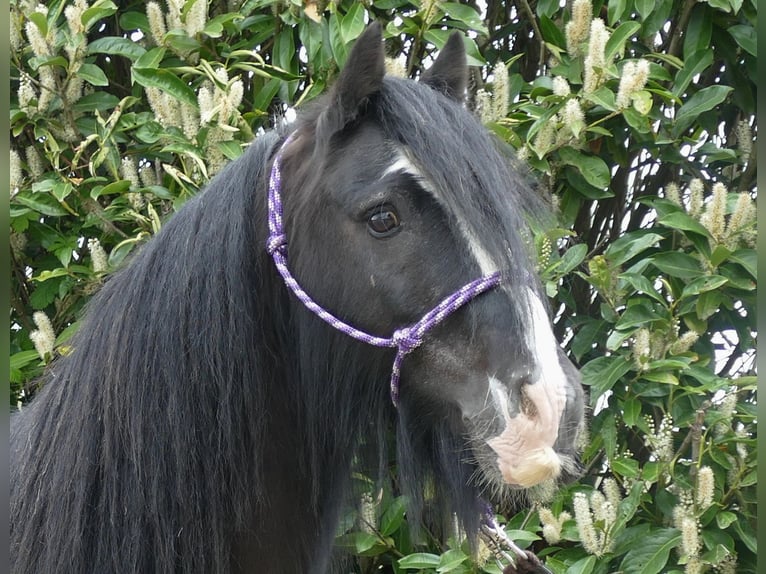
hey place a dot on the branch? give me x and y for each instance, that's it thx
(533, 20)
(674, 48)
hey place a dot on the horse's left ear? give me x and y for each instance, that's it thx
(361, 77)
(449, 73)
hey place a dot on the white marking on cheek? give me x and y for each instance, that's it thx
(499, 397)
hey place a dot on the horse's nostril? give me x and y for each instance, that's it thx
(528, 406)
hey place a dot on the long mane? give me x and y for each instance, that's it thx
(156, 412)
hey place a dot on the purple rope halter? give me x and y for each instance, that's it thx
(404, 340)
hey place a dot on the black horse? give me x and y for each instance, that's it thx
(207, 421)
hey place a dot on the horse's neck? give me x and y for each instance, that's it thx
(295, 522)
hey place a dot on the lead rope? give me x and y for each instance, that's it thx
(404, 340)
(522, 561)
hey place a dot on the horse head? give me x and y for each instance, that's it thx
(395, 198)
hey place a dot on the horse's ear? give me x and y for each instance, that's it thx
(449, 73)
(361, 77)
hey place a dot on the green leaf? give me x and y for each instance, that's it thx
(100, 101)
(181, 42)
(642, 285)
(266, 94)
(393, 516)
(116, 187)
(614, 10)
(100, 10)
(357, 542)
(703, 284)
(703, 101)
(151, 59)
(44, 293)
(724, 519)
(694, 65)
(40, 21)
(746, 37)
(593, 169)
(116, 46)
(662, 377)
(215, 26)
(420, 560)
(22, 359)
(134, 21)
(93, 75)
(552, 32)
(651, 555)
(644, 7)
(746, 534)
(603, 97)
(616, 42)
(450, 560)
(684, 221)
(167, 82)
(339, 49)
(629, 245)
(698, 33)
(677, 264)
(631, 410)
(50, 274)
(61, 190)
(36, 63)
(352, 24)
(720, 254)
(41, 203)
(748, 259)
(465, 14)
(583, 566)
(602, 373)
(522, 535)
(637, 316)
(232, 149)
(572, 258)
(284, 49)
(578, 182)
(625, 467)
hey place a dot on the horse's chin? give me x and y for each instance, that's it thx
(532, 476)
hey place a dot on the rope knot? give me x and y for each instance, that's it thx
(276, 243)
(407, 340)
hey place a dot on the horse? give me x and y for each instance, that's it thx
(357, 278)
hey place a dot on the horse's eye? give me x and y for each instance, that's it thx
(383, 222)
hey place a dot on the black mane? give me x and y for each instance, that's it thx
(167, 376)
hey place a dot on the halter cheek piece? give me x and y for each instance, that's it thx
(404, 340)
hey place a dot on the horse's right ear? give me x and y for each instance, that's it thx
(449, 73)
(361, 77)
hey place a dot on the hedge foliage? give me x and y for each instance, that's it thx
(636, 116)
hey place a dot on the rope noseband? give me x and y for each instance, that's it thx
(404, 340)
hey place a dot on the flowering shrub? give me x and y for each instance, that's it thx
(636, 118)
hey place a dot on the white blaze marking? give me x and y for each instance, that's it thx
(525, 448)
(404, 164)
